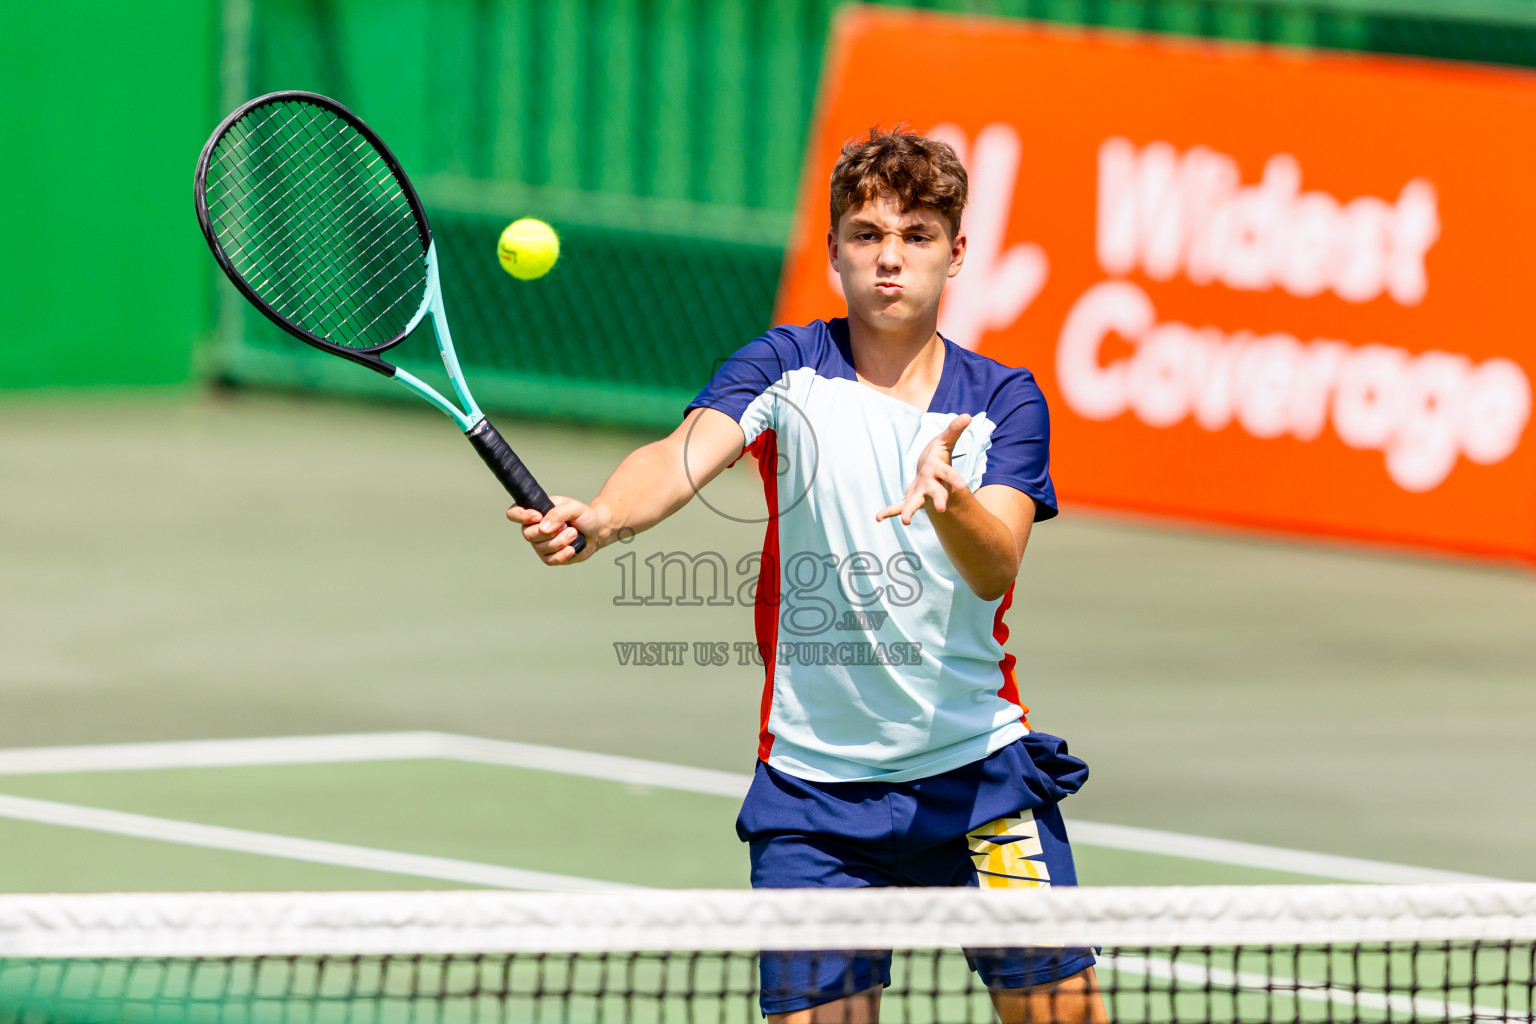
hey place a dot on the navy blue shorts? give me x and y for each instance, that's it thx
(993, 824)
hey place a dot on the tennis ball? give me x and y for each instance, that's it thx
(528, 248)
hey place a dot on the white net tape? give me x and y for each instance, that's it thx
(255, 924)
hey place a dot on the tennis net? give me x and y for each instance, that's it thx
(1209, 954)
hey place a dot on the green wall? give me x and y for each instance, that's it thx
(103, 108)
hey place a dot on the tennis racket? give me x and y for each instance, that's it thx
(310, 215)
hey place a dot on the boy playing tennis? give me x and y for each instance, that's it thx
(903, 475)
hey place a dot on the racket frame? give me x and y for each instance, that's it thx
(482, 434)
(467, 417)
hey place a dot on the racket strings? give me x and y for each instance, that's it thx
(238, 135)
(269, 173)
(317, 181)
(350, 201)
(298, 247)
(344, 213)
(315, 222)
(274, 259)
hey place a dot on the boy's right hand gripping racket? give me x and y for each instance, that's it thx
(312, 218)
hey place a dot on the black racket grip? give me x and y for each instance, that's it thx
(509, 469)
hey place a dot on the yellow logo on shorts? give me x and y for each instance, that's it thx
(1002, 850)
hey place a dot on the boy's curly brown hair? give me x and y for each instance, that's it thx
(899, 162)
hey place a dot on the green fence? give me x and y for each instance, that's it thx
(663, 139)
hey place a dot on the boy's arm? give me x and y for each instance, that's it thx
(650, 484)
(983, 532)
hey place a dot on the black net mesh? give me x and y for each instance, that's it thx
(662, 139)
(1448, 981)
(1220, 954)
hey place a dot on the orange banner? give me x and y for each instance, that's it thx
(1265, 287)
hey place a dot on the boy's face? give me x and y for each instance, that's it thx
(893, 264)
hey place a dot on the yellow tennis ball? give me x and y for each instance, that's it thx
(528, 248)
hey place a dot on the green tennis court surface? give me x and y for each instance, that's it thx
(210, 568)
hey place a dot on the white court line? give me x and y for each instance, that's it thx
(1254, 855)
(213, 837)
(382, 746)
(408, 746)
(121, 757)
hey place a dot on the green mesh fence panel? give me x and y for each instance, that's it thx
(663, 139)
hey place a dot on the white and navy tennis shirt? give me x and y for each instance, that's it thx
(880, 662)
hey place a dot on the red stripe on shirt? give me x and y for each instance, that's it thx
(765, 612)
(1009, 691)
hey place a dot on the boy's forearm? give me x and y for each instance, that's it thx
(647, 487)
(980, 544)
